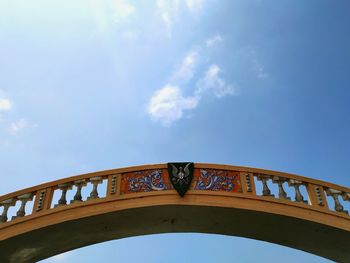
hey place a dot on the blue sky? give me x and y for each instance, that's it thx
(94, 85)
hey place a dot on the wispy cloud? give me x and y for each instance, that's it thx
(122, 10)
(194, 5)
(260, 70)
(12, 127)
(167, 105)
(214, 40)
(5, 104)
(111, 14)
(212, 82)
(262, 74)
(19, 125)
(170, 11)
(186, 69)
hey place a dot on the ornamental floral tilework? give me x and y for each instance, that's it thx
(217, 180)
(145, 181)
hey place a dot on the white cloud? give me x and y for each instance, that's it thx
(167, 105)
(19, 125)
(214, 40)
(168, 21)
(260, 70)
(214, 83)
(122, 10)
(194, 5)
(5, 104)
(109, 13)
(186, 69)
(15, 126)
(262, 74)
(168, 11)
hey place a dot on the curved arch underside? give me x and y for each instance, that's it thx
(297, 225)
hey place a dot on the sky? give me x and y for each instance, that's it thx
(91, 85)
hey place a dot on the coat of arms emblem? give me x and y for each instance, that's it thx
(181, 175)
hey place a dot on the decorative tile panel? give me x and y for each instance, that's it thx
(145, 181)
(217, 180)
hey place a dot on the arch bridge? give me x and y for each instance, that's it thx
(281, 208)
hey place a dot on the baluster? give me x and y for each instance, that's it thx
(64, 188)
(281, 193)
(296, 184)
(264, 178)
(346, 196)
(24, 199)
(95, 181)
(77, 197)
(319, 196)
(337, 205)
(6, 204)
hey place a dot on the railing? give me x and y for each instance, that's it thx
(208, 178)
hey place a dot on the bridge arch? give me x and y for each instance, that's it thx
(265, 205)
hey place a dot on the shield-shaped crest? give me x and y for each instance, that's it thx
(181, 175)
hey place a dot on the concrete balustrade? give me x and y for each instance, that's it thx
(242, 188)
(44, 195)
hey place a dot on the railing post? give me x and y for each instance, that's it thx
(248, 184)
(316, 196)
(43, 199)
(113, 185)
